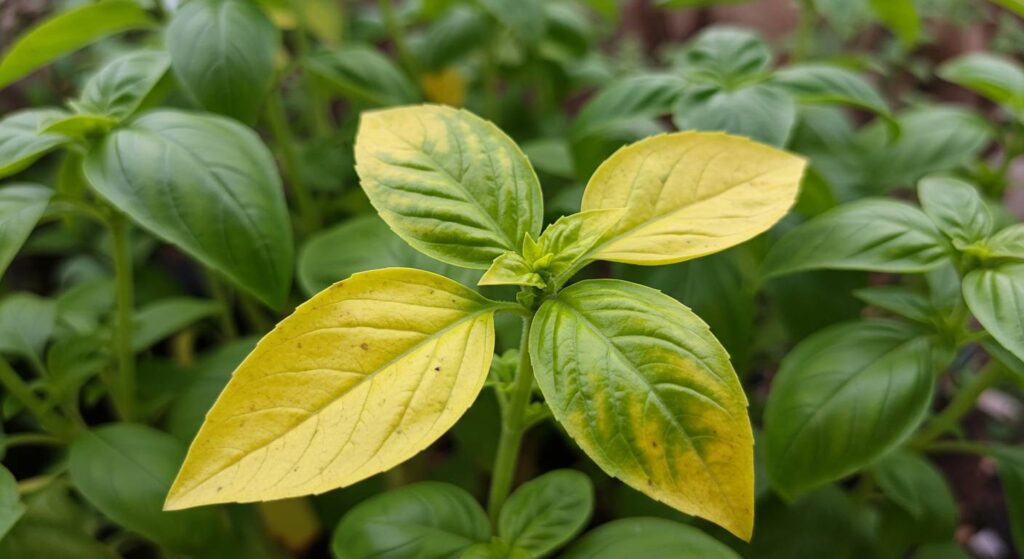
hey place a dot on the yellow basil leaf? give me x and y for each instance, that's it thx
(645, 389)
(360, 378)
(689, 194)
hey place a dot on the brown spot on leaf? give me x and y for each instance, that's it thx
(364, 346)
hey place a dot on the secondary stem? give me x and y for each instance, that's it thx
(513, 425)
(387, 12)
(123, 392)
(960, 405)
(49, 419)
(278, 122)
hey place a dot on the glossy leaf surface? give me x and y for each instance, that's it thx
(207, 185)
(649, 394)
(451, 184)
(21, 206)
(547, 511)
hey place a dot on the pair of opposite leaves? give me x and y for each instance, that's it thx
(375, 368)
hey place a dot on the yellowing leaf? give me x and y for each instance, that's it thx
(360, 378)
(446, 86)
(690, 194)
(648, 393)
(451, 184)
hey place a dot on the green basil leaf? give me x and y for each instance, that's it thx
(451, 184)
(26, 324)
(427, 519)
(649, 538)
(552, 156)
(993, 76)
(222, 52)
(915, 485)
(125, 470)
(121, 87)
(923, 508)
(901, 301)
(363, 74)
(956, 208)
(874, 235)
(187, 411)
(546, 512)
(828, 523)
(494, 550)
(718, 288)
(762, 112)
(996, 298)
(21, 206)
(725, 54)
(207, 185)
(11, 507)
(827, 84)
(639, 97)
(368, 245)
(842, 398)
(455, 35)
(512, 269)
(163, 318)
(677, 428)
(22, 141)
(1011, 473)
(901, 17)
(933, 139)
(69, 31)
(524, 18)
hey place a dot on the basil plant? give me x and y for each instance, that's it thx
(378, 366)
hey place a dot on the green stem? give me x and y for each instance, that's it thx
(123, 391)
(805, 30)
(965, 447)
(46, 416)
(285, 142)
(960, 405)
(387, 12)
(26, 439)
(223, 296)
(513, 426)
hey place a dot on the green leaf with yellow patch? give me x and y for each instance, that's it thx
(649, 394)
(360, 378)
(690, 194)
(451, 184)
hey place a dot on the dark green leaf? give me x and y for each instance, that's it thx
(524, 18)
(11, 507)
(823, 83)
(842, 398)
(647, 538)
(21, 206)
(874, 235)
(26, 323)
(361, 244)
(125, 470)
(457, 34)
(423, 521)
(762, 112)
(363, 74)
(994, 76)
(901, 301)
(725, 54)
(22, 141)
(824, 523)
(1011, 473)
(121, 87)
(546, 512)
(956, 208)
(223, 53)
(69, 31)
(923, 508)
(165, 317)
(996, 298)
(207, 185)
(638, 97)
